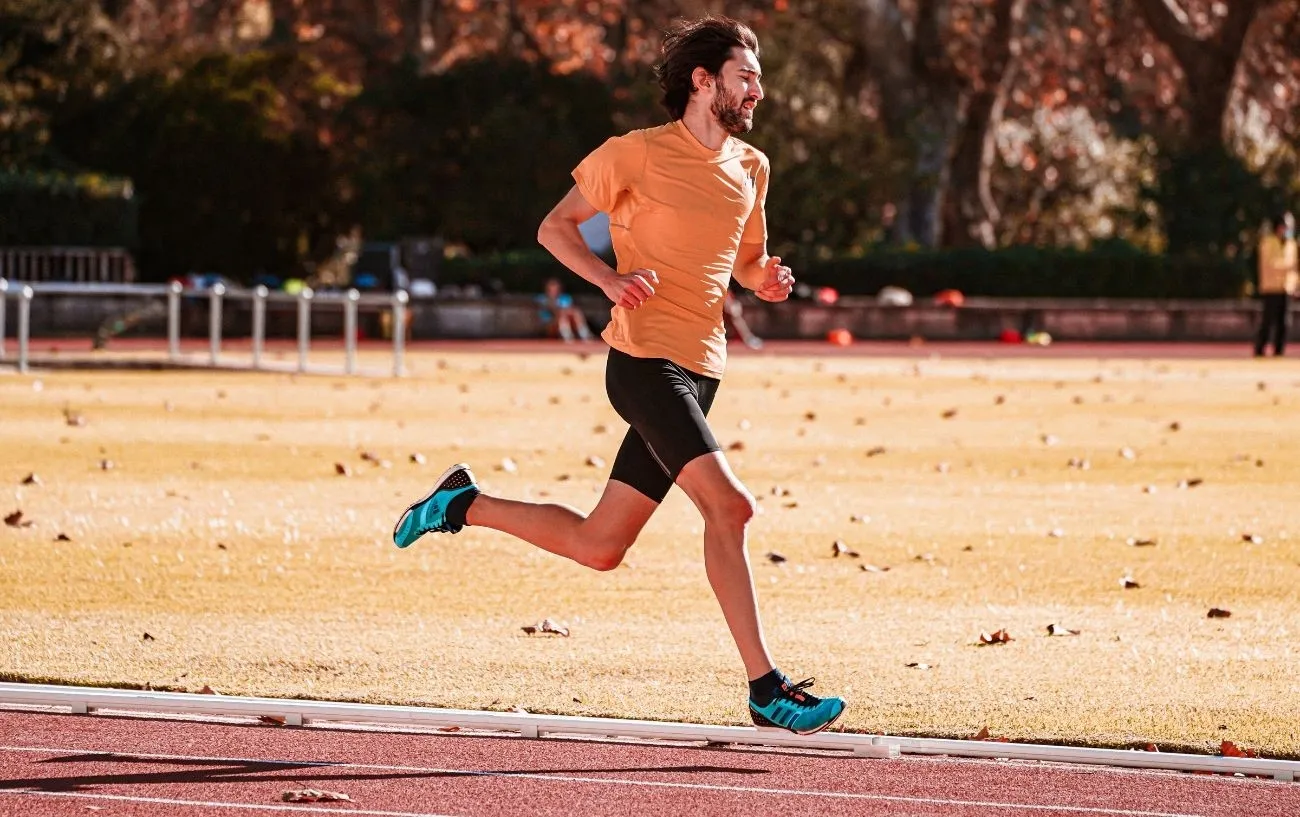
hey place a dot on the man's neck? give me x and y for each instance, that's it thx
(704, 126)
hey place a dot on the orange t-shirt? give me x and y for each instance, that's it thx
(682, 210)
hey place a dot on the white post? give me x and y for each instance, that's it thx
(24, 326)
(174, 321)
(304, 326)
(4, 307)
(214, 321)
(400, 299)
(259, 324)
(350, 331)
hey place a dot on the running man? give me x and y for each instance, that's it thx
(686, 208)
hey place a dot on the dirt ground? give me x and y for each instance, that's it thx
(184, 529)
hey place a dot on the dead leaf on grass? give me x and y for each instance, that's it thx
(342, 469)
(63, 537)
(1184, 484)
(1230, 749)
(1081, 464)
(32, 479)
(1175, 426)
(949, 414)
(15, 520)
(860, 518)
(147, 637)
(875, 451)
(1140, 543)
(313, 796)
(106, 465)
(838, 548)
(738, 445)
(996, 637)
(1049, 439)
(369, 456)
(875, 569)
(917, 665)
(1218, 612)
(1252, 538)
(595, 462)
(73, 418)
(546, 627)
(810, 416)
(999, 400)
(1129, 583)
(418, 459)
(1057, 629)
(1151, 747)
(207, 690)
(775, 558)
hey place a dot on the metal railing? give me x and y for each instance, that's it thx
(73, 264)
(306, 300)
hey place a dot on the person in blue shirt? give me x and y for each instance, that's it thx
(559, 315)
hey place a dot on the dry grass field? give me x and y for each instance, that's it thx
(186, 529)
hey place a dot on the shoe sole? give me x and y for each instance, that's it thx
(763, 723)
(437, 486)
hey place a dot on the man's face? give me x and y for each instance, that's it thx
(738, 91)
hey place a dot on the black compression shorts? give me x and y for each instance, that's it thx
(665, 405)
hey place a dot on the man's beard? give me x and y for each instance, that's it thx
(730, 113)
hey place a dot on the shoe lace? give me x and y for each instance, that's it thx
(795, 692)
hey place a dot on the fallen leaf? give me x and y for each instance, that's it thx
(949, 414)
(838, 548)
(207, 690)
(448, 728)
(1140, 543)
(928, 558)
(106, 465)
(15, 520)
(32, 479)
(74, 419)
(1252, 538)
(313, 796)
(876, 451)
(369, 456)
(1175, 426)
(792, 504)
(943, 468)
(418, 458)
(982, 734)
(274, 720)
(859, 518)
(1081, 464)
(1151, 747)
(1057, 629)
(508, 465)
(1049, 439)
(1190, 483)
(342, 470)
(1230, 749)
(917, 665)
(996, 637)
(599, 428)
(529, 629)
(1217, 612)
(63, 537)
(738, 445)
(1128, 453)
(548, 626)
(1129, 583)
(810, 416)
(147, 637)
(775, 558)
(874, 569)
(1056, 533)
(595, 462)
(999, 400)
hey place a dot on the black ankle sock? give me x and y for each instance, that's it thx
(761, 689)
(459, 506)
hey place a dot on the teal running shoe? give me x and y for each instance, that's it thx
(429, 515)
(798, 711)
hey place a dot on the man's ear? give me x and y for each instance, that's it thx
(701, 79)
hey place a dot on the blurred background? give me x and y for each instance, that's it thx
(1121, 148)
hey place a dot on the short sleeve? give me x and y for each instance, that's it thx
(610, 170)
(756, 226)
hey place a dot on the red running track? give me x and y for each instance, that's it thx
(56, 764)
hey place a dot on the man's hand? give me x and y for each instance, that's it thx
(780, 280)
(631, 290)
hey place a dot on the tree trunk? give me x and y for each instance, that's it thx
(1209, 65)
(971, 215)
(284, 22)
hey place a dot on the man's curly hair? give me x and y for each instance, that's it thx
(705, 43)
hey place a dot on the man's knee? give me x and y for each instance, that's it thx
(602, 551)
(732, 509)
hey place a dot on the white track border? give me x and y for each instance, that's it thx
(84, 700)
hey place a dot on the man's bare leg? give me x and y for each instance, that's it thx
(597, 540)
(727, 508)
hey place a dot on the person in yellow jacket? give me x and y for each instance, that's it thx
(1279, 279)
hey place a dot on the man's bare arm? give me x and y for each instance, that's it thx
(560, 235)
(751, 266)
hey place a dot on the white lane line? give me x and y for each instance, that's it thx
(615, 781)
(217, 804)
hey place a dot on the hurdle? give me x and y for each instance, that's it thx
(295, 712)
(307, 300)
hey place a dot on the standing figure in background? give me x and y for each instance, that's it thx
(734, 314)
(560, 317)
(1278, 281)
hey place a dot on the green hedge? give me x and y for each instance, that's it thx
(1108, 272)
(48, 209)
